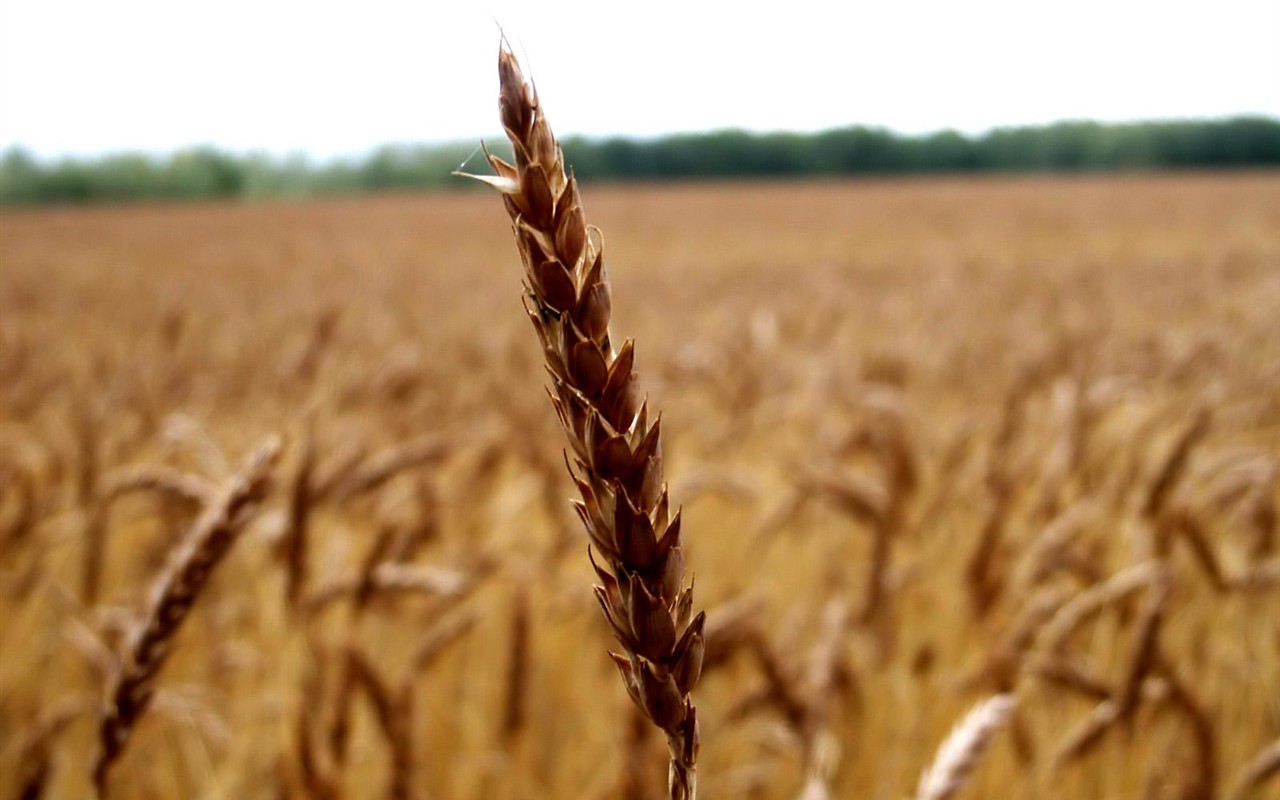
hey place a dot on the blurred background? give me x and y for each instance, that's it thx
(961, 319)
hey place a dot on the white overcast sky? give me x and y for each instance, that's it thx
(333, 79)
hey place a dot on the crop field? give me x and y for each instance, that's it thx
(285, 513)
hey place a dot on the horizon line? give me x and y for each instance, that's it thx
(333, 158)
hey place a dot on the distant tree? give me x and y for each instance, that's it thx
(1064, 146)
(19, 174)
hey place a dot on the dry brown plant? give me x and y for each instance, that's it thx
(1088, 604)
(1006, 657)
(983, 573)
(317, 771)
(94, 532)
(1201, 782)
(439, 638)
(20, 512)
(1174, 463)
(1051, 546)
(165, 481)
(148, 645)
(514, 707)
(961, 751)
(385, 578)
(294, 543)
(1071, 676)
(617, 449)
(394, 711)
(1143, 661)
(385, 465)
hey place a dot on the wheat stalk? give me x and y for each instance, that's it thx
(426, 450)
(192, 562)
(165, 481)
(293, 545)
(319, 775)
(1082, 608)
(1174, 463)
(1061, 672)
(394, 711)
(617, 449)
(14, 527)
(1203, 781)
(393, 578)
(514, 708)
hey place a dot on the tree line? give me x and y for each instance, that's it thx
(728, 154)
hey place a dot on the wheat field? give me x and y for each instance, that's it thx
(935, 440)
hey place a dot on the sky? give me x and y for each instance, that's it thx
(336, 79)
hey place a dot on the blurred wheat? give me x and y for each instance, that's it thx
(1006, 444)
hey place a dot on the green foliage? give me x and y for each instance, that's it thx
(1065, 146)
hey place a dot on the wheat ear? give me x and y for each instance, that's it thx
(962, 749)
(130, 689)
(617, 451)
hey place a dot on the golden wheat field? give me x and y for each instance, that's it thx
(935, 441)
